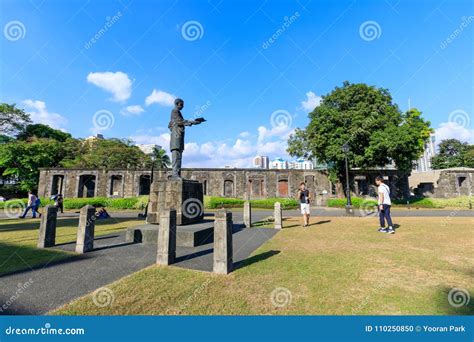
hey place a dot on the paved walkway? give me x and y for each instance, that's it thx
(112, 259)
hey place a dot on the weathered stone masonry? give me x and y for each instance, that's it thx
(238, 183)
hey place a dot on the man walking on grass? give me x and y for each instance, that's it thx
(384, 204)
(304, 197)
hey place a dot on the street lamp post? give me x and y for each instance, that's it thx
(349, 209)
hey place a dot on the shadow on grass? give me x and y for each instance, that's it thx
(18, 258)
(256, 258)
(455, 301)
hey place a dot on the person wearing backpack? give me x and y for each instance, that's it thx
(32, 200)
(384, 204)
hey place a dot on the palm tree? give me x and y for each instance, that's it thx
(160, 159)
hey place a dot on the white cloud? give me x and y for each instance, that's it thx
(39, 114)
(312, 101)
(116, 83)
(132, 110)
(239, 153)
(452, 130)
(163, 139)
(161, 97)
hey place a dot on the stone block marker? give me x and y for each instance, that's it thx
(223, 260)
(85, 230)
(247, 214)
(277, 213)
(47, 231)
(166, 254)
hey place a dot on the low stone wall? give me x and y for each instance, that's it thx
(447, 183)
(235, 183)
(239, 183)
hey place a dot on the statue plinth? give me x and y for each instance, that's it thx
(183, 195)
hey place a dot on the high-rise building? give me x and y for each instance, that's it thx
(424, 163)
(261, 162)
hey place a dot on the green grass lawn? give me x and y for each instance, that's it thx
(18, 240)
(337, 266)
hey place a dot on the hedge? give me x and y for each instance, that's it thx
(78, 203)
(139, 203)
(415, 202)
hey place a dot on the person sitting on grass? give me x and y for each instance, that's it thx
(32, 204)
(102, 214)
(304, 197)
(384, 204)
(59, 202)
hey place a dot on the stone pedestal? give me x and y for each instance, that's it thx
(223, 260)
(47, 231)
(167, 238)
(85, 230)
(277, 214)
(183, 195)
(247, 214)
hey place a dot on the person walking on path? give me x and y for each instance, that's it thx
(304, 197)
(32, 204)
(384, 204)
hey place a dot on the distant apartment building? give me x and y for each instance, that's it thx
(261, 162)
(424, 163)
(298, 164)
(301, 164)
(279, 163)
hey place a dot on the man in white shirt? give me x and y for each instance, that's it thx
(384, 204)
(31, 205)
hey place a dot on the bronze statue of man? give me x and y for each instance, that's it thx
(176, 126)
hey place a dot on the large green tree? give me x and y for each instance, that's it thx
(160, 159)
(42, 131)
(453, 153)
(108, 153)
(370, 122)
(21, 160)
(12, 119)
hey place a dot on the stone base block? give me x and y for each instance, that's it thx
(186, 236)
(183, 195)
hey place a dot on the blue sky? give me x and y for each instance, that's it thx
(220, 57)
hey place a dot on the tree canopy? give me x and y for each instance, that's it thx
(365, 117)
(42, 131)
(12, 119)
(453, 153)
